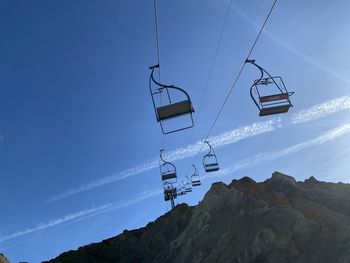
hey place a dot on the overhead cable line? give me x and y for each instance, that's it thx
(156, 22)
(235, 82)
(211, 69)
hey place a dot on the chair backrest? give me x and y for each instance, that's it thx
(275, 97)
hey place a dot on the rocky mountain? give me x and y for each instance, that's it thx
(278, 220)
(3, 259)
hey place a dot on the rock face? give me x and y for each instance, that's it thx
(3, 259)
(279, 220)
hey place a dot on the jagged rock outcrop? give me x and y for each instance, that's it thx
(3, 259)
(279, 220)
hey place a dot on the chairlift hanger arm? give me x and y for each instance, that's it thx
(166, 162)
(262, 70)
(195, 170)
(164, 86)
(211, 150)
(161, 156)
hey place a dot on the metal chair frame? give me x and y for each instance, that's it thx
(183, 107)
(195, 178)
(270, 104)
(168, 174)
(213, 166)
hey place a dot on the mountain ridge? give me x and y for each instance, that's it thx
(278, 220)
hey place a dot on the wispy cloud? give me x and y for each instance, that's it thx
(144, 167)
(322, 110)
(313, 113)
(54, 222)
(81, 215)
(175, 155)
(267, 157)
(246, 163)
(223, 139)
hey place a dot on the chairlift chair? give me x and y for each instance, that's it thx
(181, 189)
(170, 191)
(270, 103)
(167, 169)
(165, 107)
(210, 161)
(195, 178)
(188, 187)
(181, 192)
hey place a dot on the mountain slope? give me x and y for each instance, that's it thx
(279, 220)
(3, 259)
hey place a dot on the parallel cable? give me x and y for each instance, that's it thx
(234, 83)
(211, 69)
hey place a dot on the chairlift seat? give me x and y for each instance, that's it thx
(168, 175)
(211, 167)
(196, 183)
(274, 110)
(211, 164)
(174, 110)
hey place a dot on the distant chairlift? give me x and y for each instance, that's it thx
(181, 189)
(270, 94)
(195, 178)
(167, 169)
(210, 161)
(188, 187)
(165, 107)
(170, 193)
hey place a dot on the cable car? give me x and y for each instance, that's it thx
(167, 169)
(195, 178)
(270, 94)
(170, 106)
(210, 161)
(170, 192)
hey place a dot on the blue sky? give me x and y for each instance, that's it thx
(78, 136)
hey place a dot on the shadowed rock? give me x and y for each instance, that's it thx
(278, 220)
